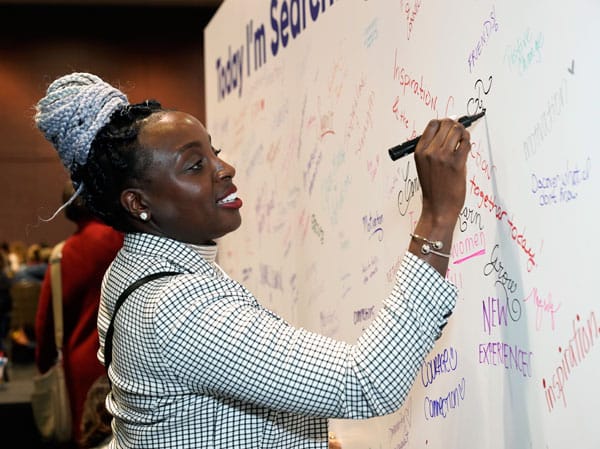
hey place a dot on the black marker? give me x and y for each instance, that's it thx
(409, 147)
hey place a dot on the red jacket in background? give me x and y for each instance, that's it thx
(86, 256)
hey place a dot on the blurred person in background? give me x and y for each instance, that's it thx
(36, 262)
(17, 252)
(85, 257)
(4, 250)
(5, 305)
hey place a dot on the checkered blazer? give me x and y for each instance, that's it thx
(199, 363)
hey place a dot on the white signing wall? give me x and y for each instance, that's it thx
(305, 97)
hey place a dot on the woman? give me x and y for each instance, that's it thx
(197, 361)
(85, 257)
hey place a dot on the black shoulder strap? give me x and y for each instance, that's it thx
(119, 303)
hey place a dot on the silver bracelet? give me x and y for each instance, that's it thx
(430, 246)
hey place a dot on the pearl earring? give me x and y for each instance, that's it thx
(144, 216)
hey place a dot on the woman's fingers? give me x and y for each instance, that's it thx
(442, 135)
(428, 135)
(442, 140)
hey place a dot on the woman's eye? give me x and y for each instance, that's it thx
(196, 166)
(217, 152)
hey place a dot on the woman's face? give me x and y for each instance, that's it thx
(188, 190)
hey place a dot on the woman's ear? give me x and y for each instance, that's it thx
(131, 200)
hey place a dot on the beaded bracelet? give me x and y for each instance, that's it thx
(431, 246)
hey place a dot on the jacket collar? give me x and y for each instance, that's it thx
(183, 256)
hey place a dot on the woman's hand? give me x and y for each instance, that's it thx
(441, 157)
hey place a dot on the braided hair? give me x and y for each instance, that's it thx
(115, 159)
(94, 129)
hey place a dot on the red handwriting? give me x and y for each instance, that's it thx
(574, 354)
(489, 202)
(361, 117)
(400, 115)
(481, 163)
(416, 86)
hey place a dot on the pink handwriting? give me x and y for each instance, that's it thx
(543, 306)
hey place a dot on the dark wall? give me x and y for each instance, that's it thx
(150, 52)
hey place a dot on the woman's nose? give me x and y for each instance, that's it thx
(224, 170)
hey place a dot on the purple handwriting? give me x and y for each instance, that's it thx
(511, 357)
(370, 269)
(560, 187)
(489, 26)
(271, 277)
(373, 225)
(441, 406)
(545, 125)
(329, 322)
(402, 426)
(495, 314)
(442, 363)
(404, 418)
(312, 168)
(364, 314)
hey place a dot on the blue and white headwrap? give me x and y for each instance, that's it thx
(75, 108)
